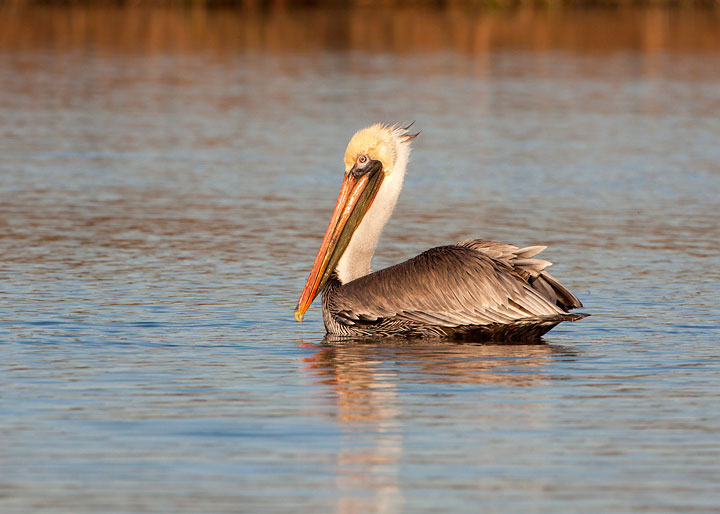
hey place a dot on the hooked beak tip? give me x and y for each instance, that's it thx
(298, 316)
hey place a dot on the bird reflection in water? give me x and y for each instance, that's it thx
(366, 381)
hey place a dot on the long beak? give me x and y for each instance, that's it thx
(355, 198)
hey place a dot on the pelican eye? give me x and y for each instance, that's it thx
(364, 164)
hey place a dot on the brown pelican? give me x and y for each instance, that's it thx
(476, 288)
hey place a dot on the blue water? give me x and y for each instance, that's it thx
(159, 215)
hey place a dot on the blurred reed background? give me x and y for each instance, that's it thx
(369, 25)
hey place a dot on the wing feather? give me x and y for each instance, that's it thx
(476, 282)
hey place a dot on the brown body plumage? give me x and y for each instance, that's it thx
(476, 289)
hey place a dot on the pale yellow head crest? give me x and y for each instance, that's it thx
(379, 142)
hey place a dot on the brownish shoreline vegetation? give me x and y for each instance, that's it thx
(375, 26)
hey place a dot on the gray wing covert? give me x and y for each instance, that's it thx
(447, 286)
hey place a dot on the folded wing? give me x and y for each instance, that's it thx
(476, 282)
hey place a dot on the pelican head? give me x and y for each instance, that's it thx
(378, 142)
(375, 161)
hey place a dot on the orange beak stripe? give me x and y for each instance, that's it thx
(351, 192)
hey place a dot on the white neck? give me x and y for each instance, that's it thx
(356, 260)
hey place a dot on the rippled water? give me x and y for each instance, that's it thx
(159, 214)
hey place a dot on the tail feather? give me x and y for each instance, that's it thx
(562, 295)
